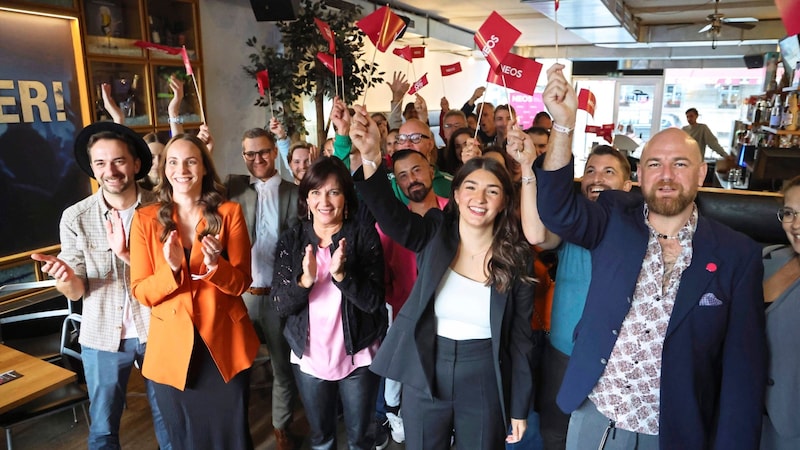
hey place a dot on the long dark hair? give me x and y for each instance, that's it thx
(317, 174)
(211, 195)
(510, 252)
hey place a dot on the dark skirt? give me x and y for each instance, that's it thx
(209, 413)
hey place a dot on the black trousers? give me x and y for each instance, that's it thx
(209, 413)
(465, 400)
(554, 422)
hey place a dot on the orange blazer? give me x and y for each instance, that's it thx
(213, 305)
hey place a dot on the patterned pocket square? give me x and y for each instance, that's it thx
(710, 300)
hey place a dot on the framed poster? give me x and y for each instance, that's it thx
(43, 105)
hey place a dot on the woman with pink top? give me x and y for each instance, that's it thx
(329, 285)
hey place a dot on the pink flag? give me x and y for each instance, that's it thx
(790, 15)
(158, 47)
(450, 69)
(327, 61)
(419, 84)
(587, 101)
(521, 74)
(327, 33)
(262, 78)
(382, 27)
(186, 62)
(495, 38)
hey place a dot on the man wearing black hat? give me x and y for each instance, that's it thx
(94, 265)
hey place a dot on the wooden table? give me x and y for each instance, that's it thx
(39, 378)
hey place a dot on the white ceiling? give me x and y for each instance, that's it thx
(592, 29)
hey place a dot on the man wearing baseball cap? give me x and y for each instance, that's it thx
(94, 265)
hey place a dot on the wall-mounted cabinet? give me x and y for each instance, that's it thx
(139, 78)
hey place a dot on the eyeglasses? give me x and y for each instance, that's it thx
(415, 138)
(787, 215)
(251, 156)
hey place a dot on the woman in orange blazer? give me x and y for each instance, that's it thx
(190, 262)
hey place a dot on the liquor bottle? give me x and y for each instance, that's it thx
(100, 111)
(129, 105)
(775, 112)
(792, 112)
(154, 34)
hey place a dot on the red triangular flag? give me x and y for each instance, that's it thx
(186, 63)
(521, 74)
(158, 47)
(450, 69)
(558, 3)
(419, 84)
(327, 61)
(404, 52)
(382, 27)
(262, 78)
(495, 38)
(587, 101)
(327, 33)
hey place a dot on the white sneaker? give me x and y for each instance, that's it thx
(396, 424)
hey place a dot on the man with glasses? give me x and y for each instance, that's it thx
(416, 135)
(269, 204)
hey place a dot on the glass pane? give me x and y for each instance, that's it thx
(128, 89)
(635, 114)
(112, 26)
(190, 106)
(172, 23)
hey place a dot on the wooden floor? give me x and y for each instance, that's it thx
(136, 432)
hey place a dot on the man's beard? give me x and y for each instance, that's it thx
(669, 206)
(417, 195)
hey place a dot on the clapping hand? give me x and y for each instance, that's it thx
(309, 275)
(338, 260)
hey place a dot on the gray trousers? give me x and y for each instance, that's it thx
(269, 327)
(587, 427)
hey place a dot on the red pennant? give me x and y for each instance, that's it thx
(419, 84)
(558, 3)
(450, 69)
(186, 63)
(327, 33)
(327, 61)
(790, 15)
(587, 101)
(495, 38)
(382, 27)
(521, 74)
(262, 78)
(404, 52)
(157, 47)
(603, 131)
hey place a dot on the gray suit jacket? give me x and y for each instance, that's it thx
(241, 191)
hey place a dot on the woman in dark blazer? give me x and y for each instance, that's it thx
(461, 344)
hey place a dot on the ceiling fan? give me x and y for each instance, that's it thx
(716, 21)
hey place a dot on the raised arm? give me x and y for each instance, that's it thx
(110, 105)
(399, 86)
(174, 107)
(562, 103)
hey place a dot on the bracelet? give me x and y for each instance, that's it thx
(372, 164)
(561, 129)
(528, 180)
(178, 119)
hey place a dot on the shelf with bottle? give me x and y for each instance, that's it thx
(111, 27)
(173, 23)
(129, 86)
(190, 112)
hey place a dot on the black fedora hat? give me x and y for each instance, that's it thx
(130, 136)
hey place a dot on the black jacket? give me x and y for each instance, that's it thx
(364, 316)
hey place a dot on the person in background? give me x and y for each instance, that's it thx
(502, 117)
(465, 367)
(540, 138)
(269, 205)
(283, 143)
(472, 120)
(327, 147)
(391, 141)
(94, 264)
(157, 153)
(702, 134)
(458, 142)
(299, 158)
(670, 351)
(190, 263)
(328, 283)
(542, 120)
(782, 296)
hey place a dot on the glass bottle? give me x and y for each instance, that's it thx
(775, 112)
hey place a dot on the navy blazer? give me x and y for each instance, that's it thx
(408, 352)
(713, 369)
